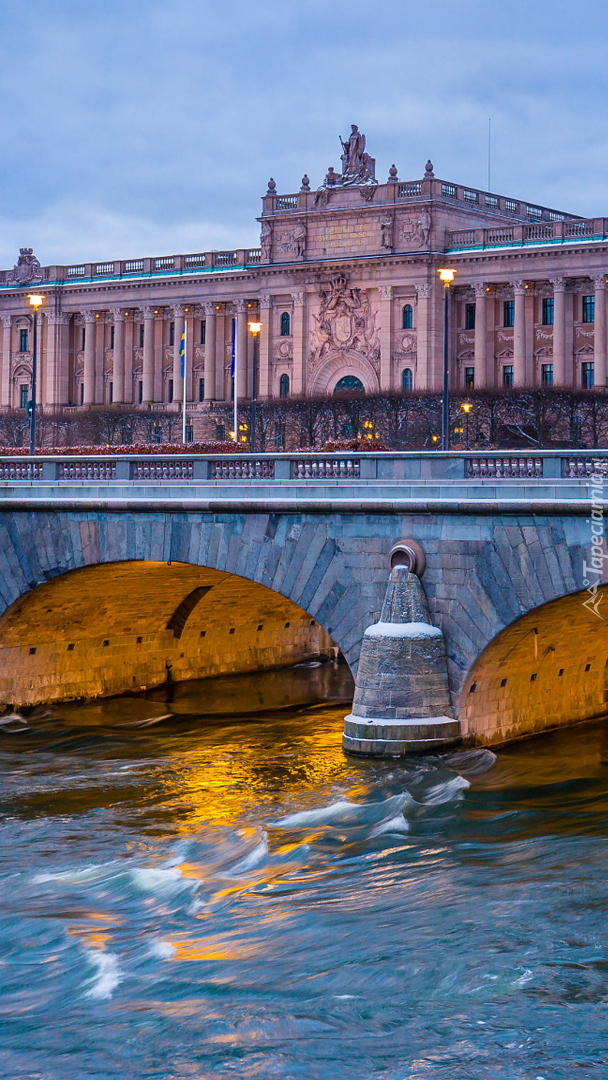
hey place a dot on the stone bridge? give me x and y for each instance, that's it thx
(115, 572)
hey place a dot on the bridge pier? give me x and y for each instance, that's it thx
(402, 699)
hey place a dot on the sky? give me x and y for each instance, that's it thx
(133, 128)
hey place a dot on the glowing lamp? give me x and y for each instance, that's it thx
(446, 276)
(36, 300)
(255, 327)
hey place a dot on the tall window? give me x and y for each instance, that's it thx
(588, 308)
(469, 378)
(140, 392)
(220, 432)
(469, 316)
(201, 389)
(171, 333)
(24, 393)
(509, 313)
(110, 393)
(189, 434)
(83, 337)
(507, 375)
(587, 376)
(548, 311)
(82, 393)
(284, 386)
(203, 328)
(170, 390)
(547, 374)
(23, 341)
(407, 320)
(285, 324)
(141, 335)
(407, 380)
(112, 336)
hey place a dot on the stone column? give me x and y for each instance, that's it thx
(242, 351)
(5, 393)
(559, 331)
(177, 313)
(386, 330)
(90, 333)
(519, 334)
(54, 389)
(118, 359)
(210, 334)
(481, 335)
(599, 345)
(298, 365)
(265, 343)
(425, 376)
(148, 358)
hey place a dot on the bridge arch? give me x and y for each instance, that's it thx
(129, 626)
(547, 669)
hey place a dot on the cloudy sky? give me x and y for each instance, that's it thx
(148, 127)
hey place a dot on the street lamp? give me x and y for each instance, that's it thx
(447, 276)
(35, 300)
(254, 328)
(466, 408)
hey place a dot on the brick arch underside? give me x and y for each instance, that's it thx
(115, 627)
(548, 669)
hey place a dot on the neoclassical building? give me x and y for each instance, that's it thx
(346, 287)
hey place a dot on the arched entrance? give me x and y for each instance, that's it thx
(114, 627)
(349, 384)
(547, 669)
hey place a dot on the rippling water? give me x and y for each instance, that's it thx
(212, 896)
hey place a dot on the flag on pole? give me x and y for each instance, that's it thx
(182, 353)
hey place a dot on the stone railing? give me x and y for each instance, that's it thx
(558, 232)
(393, 467)
(163, 264)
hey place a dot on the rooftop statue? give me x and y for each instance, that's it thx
(358, 168)
(27, 270)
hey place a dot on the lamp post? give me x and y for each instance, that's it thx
(255, 328)
(35, 300)
(447, 276)
(466, 408)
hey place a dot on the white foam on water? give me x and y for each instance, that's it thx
(415, 630)
(347, 813)
(74, 877)
(252, 860)
(159, 881)
(472, 761)
(450, 791)
(524, 978)
(396, 825)
(107, 975)
(161, 949)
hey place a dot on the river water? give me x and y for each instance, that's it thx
(229, 895)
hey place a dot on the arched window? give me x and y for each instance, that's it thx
(350, 384)
(407, 380)
(284, 384)
(285, 324)
(408, 317)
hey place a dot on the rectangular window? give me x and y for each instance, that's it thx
(24, 393)
(170, 391)
(548, 309)
(171, 333)
(469, 316)
(23, 340)
(82, 393)
(588, 309)
(509, 313)
(83, 337)
(201, 389)
(507, 375)
(469, 378)
(547, 374)
(141, 335)
(189, 434)
(220, 432)
(203, 328)
(587, 376)
(112, 329)
(140, 392)
(110, 393)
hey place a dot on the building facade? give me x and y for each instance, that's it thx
(346, 288)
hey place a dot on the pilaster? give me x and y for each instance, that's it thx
(5, 390)
(386, 333)
(299, 362)
(599, 344)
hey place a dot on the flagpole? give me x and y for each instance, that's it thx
(184, 388)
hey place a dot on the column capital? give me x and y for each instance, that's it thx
(117, 315)
(298, 297)
(480, 289)
(519, 286)
(386, 292)
(57, 318)
(240, 306)
(265, 300)
(558, 283)
(599, 280)
(177, 311)
(209, 307)
(90, 316)
(147, 311)
(424, 291)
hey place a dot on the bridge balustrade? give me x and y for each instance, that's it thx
(505, 468)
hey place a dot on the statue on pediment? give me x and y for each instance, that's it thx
(27, 270)
(358, 168)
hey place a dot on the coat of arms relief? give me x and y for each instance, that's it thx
(346, 323)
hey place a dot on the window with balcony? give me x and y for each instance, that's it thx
(508, 313)
(407, 319)
(469, 316)
(587, 376)
(284, 386)
(23, 334)
(548, 311)
(407, 380)
(588, 309)
(469, 378)
(547, 374)
(285, 324)
(507, 375)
